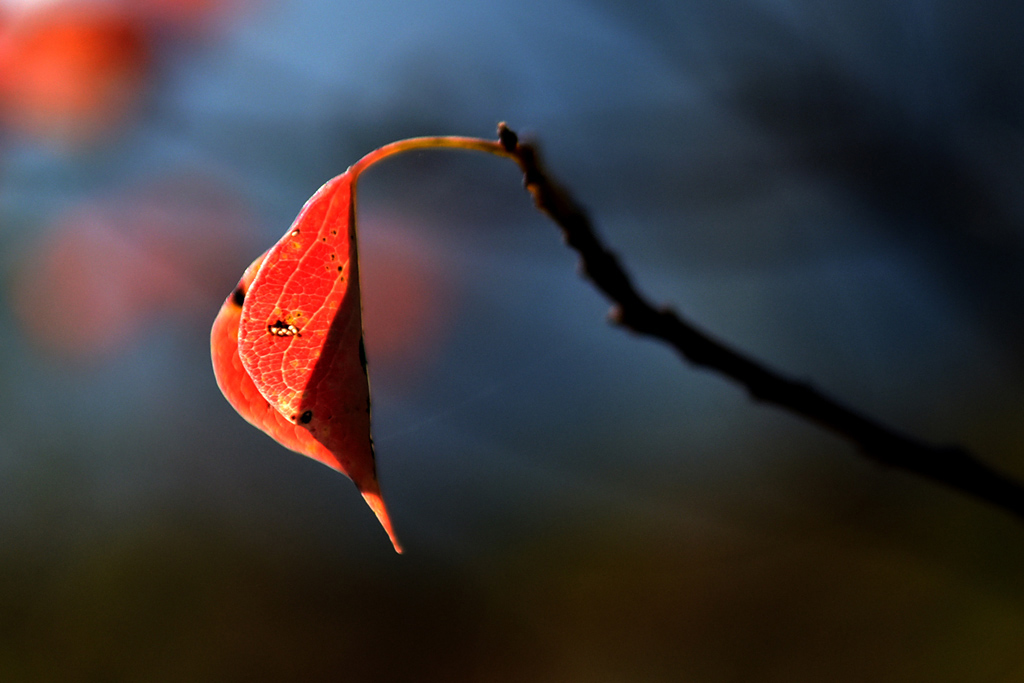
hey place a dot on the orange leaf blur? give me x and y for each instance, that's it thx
(103, 271)
(409, 297)
(71, 71)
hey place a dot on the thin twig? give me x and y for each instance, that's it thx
(950, 465)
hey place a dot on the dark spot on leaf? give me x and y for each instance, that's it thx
(306, 417)
(339, 269)
(283, 329)
(332, 257)
(334, 232)
(238, 296)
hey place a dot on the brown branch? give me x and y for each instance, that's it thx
(949, 465)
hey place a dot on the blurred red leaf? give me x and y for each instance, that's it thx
(407, 298)
(76, 294)
(71, 71)
(105, 270)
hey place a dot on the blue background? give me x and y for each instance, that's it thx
(834, 188)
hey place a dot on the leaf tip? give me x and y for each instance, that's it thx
(371, 494)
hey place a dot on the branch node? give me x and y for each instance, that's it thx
(507, 137)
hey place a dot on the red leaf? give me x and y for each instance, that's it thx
(301, 333)
(287, 345)
(304, 306)
(238, 387)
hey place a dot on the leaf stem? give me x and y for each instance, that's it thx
(433, 142)
(949, 465)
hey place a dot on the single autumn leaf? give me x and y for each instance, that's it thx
(301, 335)
(298, 319)
(238, 387)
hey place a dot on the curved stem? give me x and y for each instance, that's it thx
(955, 467)
(434, 142)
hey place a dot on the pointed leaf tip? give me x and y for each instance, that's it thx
(373, 498)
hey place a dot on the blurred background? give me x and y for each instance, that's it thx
(834, 188)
